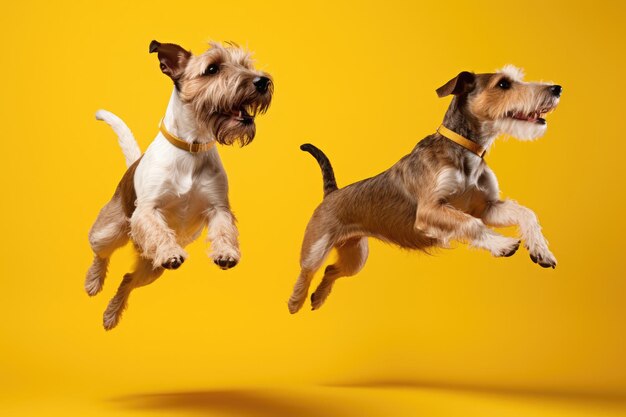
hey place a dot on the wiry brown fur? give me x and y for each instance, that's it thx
(439, 192)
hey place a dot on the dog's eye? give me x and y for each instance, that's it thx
(504, 84)
(211, 69)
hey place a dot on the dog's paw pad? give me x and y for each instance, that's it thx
(226, 262)
(169, 258)
(173, 263)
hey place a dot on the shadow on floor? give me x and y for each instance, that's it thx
(240, 403)
(353, 398)
(546, 393)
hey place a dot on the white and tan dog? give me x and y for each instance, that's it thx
(178, 186)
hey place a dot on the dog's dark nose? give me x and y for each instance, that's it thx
(261, 84)
(556, 90)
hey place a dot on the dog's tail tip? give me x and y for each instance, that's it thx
(101, 114)
(125, 137)
(106, 116)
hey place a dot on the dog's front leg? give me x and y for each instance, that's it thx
(222, 230)
(155, 239)
(444, 222)
(438, 219)
(504, 213)
(223, 235)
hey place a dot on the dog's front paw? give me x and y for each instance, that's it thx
(226, 259)
(543, 257)
(170, 259)
(226, 263)
(503, 246)
(173, 263)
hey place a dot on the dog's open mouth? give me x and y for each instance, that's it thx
(537, 116)
(245, 114)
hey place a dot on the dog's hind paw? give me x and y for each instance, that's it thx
(295, 304)
(109, 323)
(317, 300)
(93, 287)
(111, 318)
(320, 295)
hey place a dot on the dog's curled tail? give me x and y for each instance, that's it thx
(127, 141)
(328, 174)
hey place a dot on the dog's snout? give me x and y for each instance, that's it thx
(556, 90)
(261, 84)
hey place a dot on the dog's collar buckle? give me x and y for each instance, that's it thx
(471, 146)
(181, 144)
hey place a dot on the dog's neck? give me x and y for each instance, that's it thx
(180, 122)
(457, 120)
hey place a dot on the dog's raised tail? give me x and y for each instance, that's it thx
(125, 137)
(328, 174)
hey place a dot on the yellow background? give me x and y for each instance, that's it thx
(458, 333)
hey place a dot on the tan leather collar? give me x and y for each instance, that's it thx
(460, 140)
(181, 144)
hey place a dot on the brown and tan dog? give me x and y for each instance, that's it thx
(442, 190)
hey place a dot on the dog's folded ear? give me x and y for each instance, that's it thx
(462, 83)
(173, 58)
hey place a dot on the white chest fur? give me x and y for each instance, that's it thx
(181, 185)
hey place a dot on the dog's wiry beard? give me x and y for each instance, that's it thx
(528, 122)
(236, 125)
(231, 119)
(228, 130)
(519, 129)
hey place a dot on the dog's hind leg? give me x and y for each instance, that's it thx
(315, 250)
(109, 232)
(352, 256)
(143, 275)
